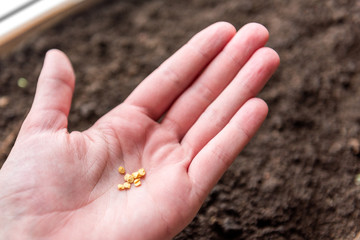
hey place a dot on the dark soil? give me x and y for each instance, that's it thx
(296, 179)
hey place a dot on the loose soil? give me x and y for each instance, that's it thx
(296, 179)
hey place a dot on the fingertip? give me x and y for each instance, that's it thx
(269, 57)
(58, 66)
(257, 27)
(56, 53)
(253, 114)
(219, 33)
(276, 57)
(261, 106)
(257, 31)
(272, 56)
(225, 26)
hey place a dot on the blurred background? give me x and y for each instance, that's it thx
(299, 177)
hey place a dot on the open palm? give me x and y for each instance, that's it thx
(184, 125)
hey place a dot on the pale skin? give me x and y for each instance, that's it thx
(184, 124)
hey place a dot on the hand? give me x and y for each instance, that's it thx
(184, 124)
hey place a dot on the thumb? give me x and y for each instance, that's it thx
(53, 95)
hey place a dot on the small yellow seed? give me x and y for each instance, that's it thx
(129, 178)
(127, 185)
(136, 175)
(121, 170)
(137, 182)
(141, 172)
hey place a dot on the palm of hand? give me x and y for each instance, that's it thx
(69, 181)
(80, 180)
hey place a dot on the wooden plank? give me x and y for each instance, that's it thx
(36, 17)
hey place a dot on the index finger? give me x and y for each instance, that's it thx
(159, 90)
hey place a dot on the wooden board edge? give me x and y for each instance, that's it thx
(19, 36)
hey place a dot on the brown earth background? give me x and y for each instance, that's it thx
(297, 178)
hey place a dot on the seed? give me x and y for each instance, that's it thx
(141, 172)
(137, 182)
(22, 82)
(121, 170)
(127, 185)
(357, 179)
(136, 175)
(129, 178)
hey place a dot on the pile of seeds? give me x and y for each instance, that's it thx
(131, 178)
